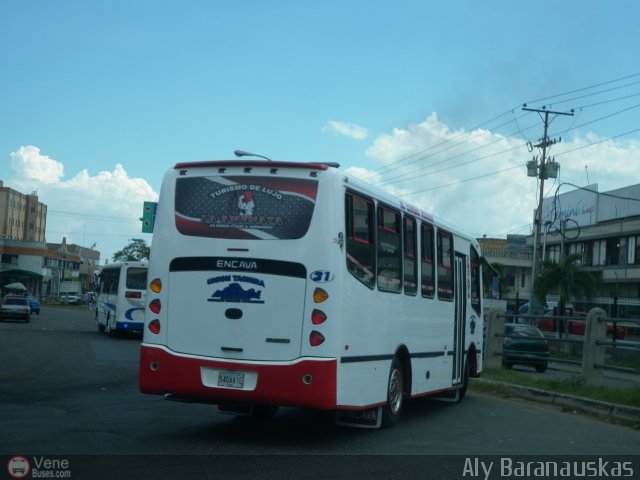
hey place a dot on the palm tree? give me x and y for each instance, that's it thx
(567, 277)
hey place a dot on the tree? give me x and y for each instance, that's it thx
(567, 278)
(137, 249)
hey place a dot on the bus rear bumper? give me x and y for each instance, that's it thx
(305, 382)
(129, 326)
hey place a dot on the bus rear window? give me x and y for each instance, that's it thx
(258, 208)
(137, 278)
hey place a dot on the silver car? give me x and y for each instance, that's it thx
(15, 306)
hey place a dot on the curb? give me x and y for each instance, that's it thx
(612, 411)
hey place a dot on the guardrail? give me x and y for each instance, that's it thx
(595, 345)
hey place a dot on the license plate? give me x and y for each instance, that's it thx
(230, 379)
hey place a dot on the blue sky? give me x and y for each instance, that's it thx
(98, 99)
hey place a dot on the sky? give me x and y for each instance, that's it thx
(423, 98)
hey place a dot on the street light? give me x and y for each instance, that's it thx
(243, 153)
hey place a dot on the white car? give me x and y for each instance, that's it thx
(15, 306)
(71, 299)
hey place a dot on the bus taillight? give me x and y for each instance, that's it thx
(132, 294)
(155, 285)
(154, 326)
(155, 306)
(320, 295)
(318, 317)
(316, 338)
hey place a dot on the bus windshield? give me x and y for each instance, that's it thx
(247, 207)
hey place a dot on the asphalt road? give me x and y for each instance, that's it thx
(67, 390)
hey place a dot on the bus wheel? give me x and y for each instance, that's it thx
(100, 327)
(391, 410)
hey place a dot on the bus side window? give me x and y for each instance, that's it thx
(110, 280)
(475, 280)
(410, 249)
(389, 249)
(360, 246)
(445, 266)
(427, 263)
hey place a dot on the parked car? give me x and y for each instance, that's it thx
(70, 299)
(575, 326)
(525, 345)
(15, 306)
(34, 305)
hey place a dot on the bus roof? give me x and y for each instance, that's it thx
(255, 163)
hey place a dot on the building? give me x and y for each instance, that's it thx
(605, 228)
(515, 257)
(76, 264)
(21, 262)
(22, 217)
(45, 269)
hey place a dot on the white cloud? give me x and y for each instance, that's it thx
(347, 129)
(102, 208)
(30, 163)
(477, 180)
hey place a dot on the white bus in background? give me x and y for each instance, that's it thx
(121, 297)
(296, 284)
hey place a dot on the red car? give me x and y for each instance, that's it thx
(575, 326)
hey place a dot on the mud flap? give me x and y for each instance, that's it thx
(370, 418)
(451, 396)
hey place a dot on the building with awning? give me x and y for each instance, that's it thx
(22, 262)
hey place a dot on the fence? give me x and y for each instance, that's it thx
(596, 346)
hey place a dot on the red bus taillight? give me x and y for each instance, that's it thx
(154, 326)
(318, 317)
(155, 306)
(316, 338)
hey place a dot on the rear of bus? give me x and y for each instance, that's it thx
(121, 301)
(241, 267)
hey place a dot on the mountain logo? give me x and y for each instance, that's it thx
(234, 293)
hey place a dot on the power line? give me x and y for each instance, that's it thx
(597, 93)
(390, 166)
(460, 181)
(496, 172)
(98, 218)
(597, 142)
(608, 82)
(471, 137)
(412, 174)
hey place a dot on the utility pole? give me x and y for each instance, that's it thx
(542, 171)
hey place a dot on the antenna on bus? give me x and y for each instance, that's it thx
(243, 153)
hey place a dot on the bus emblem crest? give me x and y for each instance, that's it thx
(234, 292)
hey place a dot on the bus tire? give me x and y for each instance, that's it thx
(100, 327)
(395, 395)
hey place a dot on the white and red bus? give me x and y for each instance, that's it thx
(295, 284)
